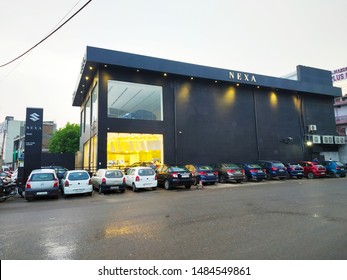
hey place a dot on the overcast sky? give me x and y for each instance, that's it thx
(268, 37)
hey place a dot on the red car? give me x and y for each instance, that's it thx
(313, 169)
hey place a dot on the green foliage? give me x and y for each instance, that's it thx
(65, 140)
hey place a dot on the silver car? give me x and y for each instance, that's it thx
(109, 180)
(41, 182)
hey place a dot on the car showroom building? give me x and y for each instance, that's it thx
(139, 108)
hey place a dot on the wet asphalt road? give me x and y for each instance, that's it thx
(293, 219)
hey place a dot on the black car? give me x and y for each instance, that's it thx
(229, 172)
(171, 176)
(273, 169)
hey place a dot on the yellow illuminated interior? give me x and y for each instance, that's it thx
(123, 149)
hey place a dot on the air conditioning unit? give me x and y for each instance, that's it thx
(312, 128)
(316, 139)
(340, 140)
(327, 139)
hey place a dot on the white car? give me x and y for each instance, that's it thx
(42, 182)
(141, 177)
(109, 180)
(76, 182)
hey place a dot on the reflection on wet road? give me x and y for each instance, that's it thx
(272, 220)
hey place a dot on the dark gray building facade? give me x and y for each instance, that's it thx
(139, 108)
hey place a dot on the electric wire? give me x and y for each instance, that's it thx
(45, 38)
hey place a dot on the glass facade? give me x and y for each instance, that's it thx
(94, 104)
(124, 149)
(134, 101)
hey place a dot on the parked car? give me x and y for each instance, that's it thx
(334, 168)
(77, 182)
(171, 176)
(229, 172)
(313, 169)
(42, 182)
(203, 173)
(273, 169)
(141, 163)
(140, 178)
(295, 170)
(253, 171)
(109, 180)
(59, 170)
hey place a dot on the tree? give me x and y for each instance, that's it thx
(65, 140)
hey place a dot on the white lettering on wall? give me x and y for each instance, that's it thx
(242, 77)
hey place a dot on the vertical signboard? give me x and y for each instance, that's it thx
(33, 140)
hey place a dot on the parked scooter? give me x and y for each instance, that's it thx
(9, 189)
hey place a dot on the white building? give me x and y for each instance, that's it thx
(340, 108)
(9, 130)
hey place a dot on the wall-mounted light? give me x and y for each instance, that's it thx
(309, 143)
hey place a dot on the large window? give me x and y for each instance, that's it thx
(94, 104)
(124, 149)
(134, 101)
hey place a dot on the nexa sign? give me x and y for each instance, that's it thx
(242, 77)
(33, 139)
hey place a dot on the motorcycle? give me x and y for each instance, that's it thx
(9, 189)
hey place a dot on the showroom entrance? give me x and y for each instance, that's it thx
(124, 149)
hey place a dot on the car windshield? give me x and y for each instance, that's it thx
(178, 169)
(113, 174)
(230, 165)
(278, 164)
(146, 172)
(253, 166)
(74, 176)
(42, 177)
(205, 167)
(339, 164)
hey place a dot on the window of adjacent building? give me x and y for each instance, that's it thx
(124, 149)
(134, 101)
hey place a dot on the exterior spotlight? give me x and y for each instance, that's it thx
(309, 143)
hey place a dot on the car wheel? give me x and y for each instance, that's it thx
(222, 179)
(134, 187)
(167, 185)
(310, 175)
(187, 186)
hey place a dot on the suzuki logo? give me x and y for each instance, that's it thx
(34, 117)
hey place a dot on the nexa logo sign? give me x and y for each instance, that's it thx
(34, 117)
(242, 77)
